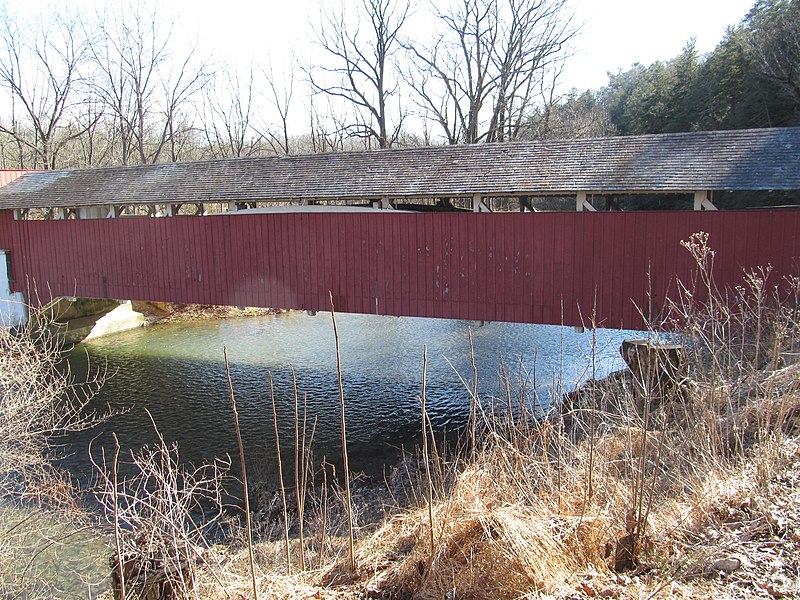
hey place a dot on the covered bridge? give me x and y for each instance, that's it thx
(545, 267)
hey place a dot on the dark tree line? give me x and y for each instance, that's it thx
(751, 79)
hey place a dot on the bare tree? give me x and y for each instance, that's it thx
(774, 44)
(179, 87)
(279, 96)
(322, 137)
(454, 79)
(143, 83)
(570, 117)
(228, 115)
(96, 145)
(41, 66)
(359, 70)
(479, 78)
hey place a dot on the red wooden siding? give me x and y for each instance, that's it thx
(527, 267)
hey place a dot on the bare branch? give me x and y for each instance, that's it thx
(360, 68)
(42, 64)
(478, 78)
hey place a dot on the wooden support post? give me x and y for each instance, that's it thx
(478, 205)
(525, 204)
(383, 204)
(702, 200)
(582, 203)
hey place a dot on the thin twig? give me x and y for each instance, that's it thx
(425, 456)
(280, 476)
(244, 477)
(344, 440)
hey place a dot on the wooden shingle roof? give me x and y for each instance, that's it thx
(755, 159)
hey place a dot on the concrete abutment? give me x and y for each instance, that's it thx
(13, 310)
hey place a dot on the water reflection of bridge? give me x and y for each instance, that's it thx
(453, 254)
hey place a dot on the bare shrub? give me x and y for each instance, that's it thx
(44, 545)
(163, 515)
(38, 401)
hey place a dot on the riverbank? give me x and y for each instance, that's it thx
(735, 537)
(674, 478)
(537, 513)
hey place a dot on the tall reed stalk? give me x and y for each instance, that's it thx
(324, 527)
(348, 498)
(425, 456)
(248, 524)
(280, 476)
(299, 457)
(473, 401)
(117, 534)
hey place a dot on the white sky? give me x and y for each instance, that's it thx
(615, 34)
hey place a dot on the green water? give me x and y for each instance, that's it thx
(176, 372)
(42, 556)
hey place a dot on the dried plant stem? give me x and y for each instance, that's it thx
(117, 537)
(346, 465)
(425, 457)
(324, 536)
(473, 403)
(244, 477)
(298, 459)
(306, 467)
(592, 417)
(280, 476)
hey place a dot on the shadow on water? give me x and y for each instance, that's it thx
(176, 371)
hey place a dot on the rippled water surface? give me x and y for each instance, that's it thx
(176, 371)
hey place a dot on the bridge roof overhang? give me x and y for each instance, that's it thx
(754, 159)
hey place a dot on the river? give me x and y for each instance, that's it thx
(177, 372)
